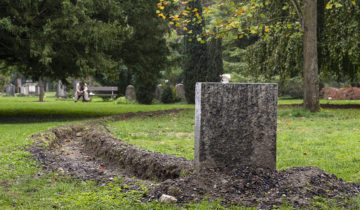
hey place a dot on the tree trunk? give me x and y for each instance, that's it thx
(311, 81)
(41, 95)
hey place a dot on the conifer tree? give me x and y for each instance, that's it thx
(214, 61)
(195, 61)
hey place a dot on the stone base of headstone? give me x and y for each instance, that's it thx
(235, 125)
(130, 93)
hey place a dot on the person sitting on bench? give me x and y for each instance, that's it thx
(81, 91)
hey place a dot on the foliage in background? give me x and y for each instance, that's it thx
(146, 51)
(195, 58)
(4, 81)
(173, 71)
(167, 96)
(214, 65)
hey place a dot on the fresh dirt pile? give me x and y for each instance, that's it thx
(88, 152)
(257, 187)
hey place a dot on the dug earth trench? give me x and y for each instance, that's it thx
(88, 151)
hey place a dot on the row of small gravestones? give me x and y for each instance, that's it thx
(130, 93)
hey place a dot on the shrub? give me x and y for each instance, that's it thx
(167, 96)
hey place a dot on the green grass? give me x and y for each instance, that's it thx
(22, 183)
(330, 140)
(172, 134)
(289, 101)
(15, 109)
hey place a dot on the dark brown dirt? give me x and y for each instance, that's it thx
(257, 187)
(88, 152)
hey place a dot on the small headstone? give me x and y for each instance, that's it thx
(235, 125)
(130, 93)
(180, 92)
(158, 92)
(61, 90)
(10, 90)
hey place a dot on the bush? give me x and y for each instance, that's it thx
(123, 100)
(167, 96)
(292, 87)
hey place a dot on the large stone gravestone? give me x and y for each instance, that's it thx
(180, 92)
(158, 92)
(130, 93)
(10, 90)
(235, 125)
(61, 90)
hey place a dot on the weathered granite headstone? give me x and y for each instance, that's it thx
(158, 92)
(180, 92)
(235, 125)
(61, 90)
(130, 93)
(10, 90)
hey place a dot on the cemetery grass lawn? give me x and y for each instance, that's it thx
(329, 140)
(23, 185)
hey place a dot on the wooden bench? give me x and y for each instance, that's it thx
(107, 89)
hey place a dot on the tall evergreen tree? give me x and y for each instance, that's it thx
(59, 38)
(145, 52)
(214, 61)
(195, 61)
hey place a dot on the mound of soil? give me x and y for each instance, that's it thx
(88, 152)
(257, 187)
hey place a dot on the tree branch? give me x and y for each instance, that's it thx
(298, 9)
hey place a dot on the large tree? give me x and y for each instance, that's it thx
(59, 38)
(311, 81)
(195, 59)
(145, 52)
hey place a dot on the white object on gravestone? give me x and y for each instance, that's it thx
(225, 78)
